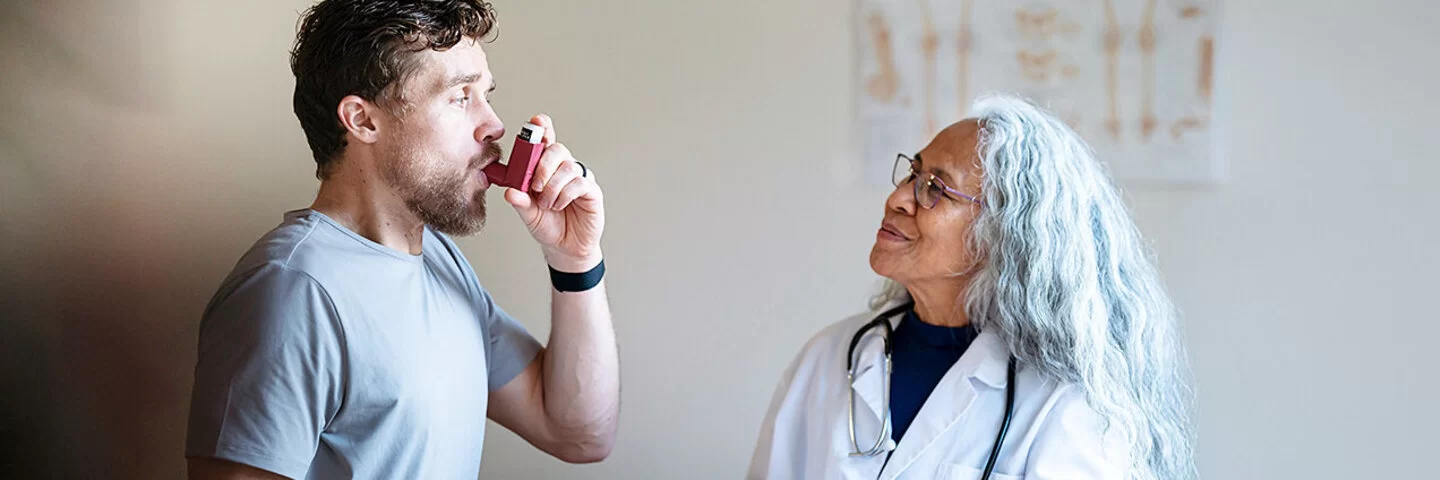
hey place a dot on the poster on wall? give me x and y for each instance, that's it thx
(1133, 77)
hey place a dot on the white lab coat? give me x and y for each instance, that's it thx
(805, 435)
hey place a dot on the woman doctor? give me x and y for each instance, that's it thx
(1004, 241)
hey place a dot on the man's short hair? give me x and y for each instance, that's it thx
(368, 48)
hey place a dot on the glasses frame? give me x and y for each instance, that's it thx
(917, 177)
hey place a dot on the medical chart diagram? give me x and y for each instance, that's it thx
(1133, 77)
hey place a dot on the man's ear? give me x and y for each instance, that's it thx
(358, 116)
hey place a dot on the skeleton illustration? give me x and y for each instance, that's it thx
(1043, 23)
(1036, 65)
(963, 45)
(1035, 25)
(1055, 47)
(1112, 67)
(929, 45)
(1040, 26)
(1202, 89)
(885, 83)
(1207, 68)
(1148, 121)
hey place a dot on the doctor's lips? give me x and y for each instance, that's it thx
(889, 229)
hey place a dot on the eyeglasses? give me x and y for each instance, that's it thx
(928, 187)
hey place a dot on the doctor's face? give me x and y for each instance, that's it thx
(917, 245)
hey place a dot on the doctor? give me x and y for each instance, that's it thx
(1027, 328)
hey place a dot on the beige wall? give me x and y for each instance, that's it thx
(145, 144)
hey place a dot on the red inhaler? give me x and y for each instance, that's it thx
(523, 158)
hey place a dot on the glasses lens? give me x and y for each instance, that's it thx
(927, 192)
(901, 172)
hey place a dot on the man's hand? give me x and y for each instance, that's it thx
(564, 211)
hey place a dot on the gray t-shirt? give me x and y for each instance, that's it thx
(326, 355)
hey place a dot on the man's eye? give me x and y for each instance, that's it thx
(465, 100)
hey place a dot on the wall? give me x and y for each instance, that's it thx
(145, 144)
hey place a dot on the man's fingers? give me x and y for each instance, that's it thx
(575, 189)
(565, 174)
(549, 124)
(523, 205)
(554, 156)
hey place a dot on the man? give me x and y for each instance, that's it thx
(353, 340)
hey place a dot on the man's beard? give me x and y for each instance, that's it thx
(439, 197)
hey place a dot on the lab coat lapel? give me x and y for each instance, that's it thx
(984, 361)
(870, 386)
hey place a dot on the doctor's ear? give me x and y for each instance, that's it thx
(358, 116)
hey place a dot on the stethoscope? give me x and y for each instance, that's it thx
(883, 321)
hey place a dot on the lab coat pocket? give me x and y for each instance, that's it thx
(962, 472)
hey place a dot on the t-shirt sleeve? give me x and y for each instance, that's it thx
(511, 347)
(270, 372)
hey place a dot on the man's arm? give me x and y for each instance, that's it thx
(567, 401)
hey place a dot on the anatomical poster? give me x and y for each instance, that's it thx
(1134, 77)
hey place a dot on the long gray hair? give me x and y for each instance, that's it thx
(1066, 280)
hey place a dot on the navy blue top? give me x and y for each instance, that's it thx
(922, 354)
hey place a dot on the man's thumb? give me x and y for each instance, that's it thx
(522, 202)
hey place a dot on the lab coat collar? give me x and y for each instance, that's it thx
(984, 361)
(869, 381)
(869, 386)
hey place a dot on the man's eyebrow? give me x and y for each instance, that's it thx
(463, 79)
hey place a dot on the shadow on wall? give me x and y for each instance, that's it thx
(109, 253)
